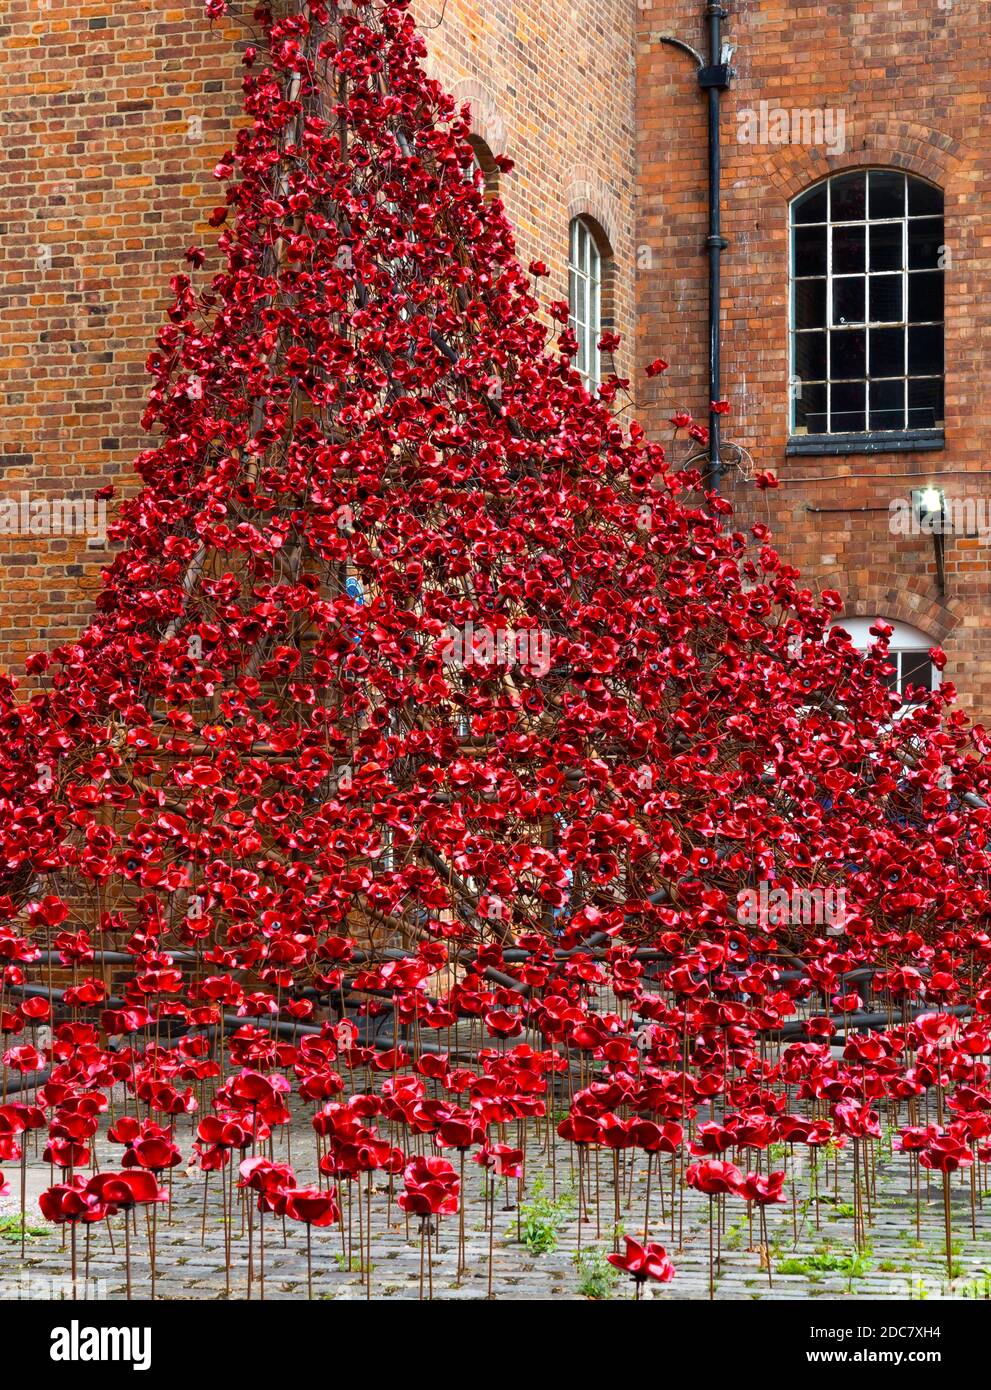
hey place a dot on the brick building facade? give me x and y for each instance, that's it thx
(114, 117)
(827, 89)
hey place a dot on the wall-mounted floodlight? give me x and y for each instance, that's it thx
(929, 507)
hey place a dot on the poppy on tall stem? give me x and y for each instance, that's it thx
(312, 1206)
(69, 1203)
(764, 1192)
(267, 1179)
(945, 1154)
(716, 1179)
(460, 1134)
(124, 1192)
(653, 1138)
(432, 1189)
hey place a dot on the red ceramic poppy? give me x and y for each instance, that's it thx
(644, 1261)
(314, 1206)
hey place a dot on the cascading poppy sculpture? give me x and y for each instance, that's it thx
(431, 728)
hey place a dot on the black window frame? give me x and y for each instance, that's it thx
(866, 227)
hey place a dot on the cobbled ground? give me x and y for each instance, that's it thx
(540, 1248)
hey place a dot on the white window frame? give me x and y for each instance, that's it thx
(585, 273)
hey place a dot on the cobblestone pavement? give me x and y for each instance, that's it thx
(539, 1251)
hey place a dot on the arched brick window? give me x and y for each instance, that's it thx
(867, 257)
(908, 653)
(589, 293)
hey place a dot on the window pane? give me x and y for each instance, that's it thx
(887, 402)
(916, 670)
(885, 298)
(578, 304)
(810, 409)
(581, 260)
(925, 296)
(886, 246)
(848, 353)
(887, 194)
(925, 403)
(848, 198)
(810, 251)
(581, 358)
(925, 351)
(848, 301)
(887, 352)
(925, 243)
(594, 261)
(846, 410)
(810, 356)
(810, 304)
(811, 206)
(848, 249)
(923, 198)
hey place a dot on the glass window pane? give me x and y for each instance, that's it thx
(887, 405)
(887, 352)
(811, 206)
(847, 353)
(581, 359)
(925, 403)
(810, 356)
(886, 246)
(596, 335)
(578, 305)
(810, 409)
(848, 249)
(809, 255)
(923, 198)
(848, 300)
(925, 243)
(846, 408)
(810, 304)
(916, 670)
(925, 296)
(925, 351)
(885, 298)
(594, 260)
(887, 193)
(848, 198)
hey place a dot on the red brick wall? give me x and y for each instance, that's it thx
(114, 116)
(911, 80)
(553, 84)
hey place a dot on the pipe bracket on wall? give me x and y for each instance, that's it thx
(718, 75)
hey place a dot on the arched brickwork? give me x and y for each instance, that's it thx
(885, 595)
(896, 144)
(589, 196)
(486, 118)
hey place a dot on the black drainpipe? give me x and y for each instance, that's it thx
(714, 77)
